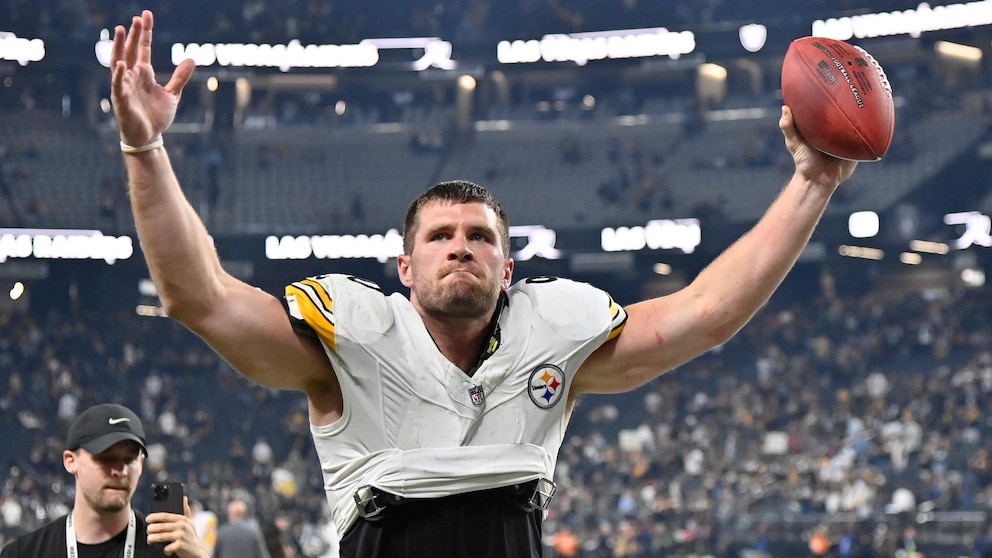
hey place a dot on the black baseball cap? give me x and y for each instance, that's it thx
(102, 426)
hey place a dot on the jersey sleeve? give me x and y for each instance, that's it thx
(575, 309)
(329, 306)
(311, 308)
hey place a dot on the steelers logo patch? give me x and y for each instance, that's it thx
(547, 384)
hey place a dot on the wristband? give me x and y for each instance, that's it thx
(142, 148)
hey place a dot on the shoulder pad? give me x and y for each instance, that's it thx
(335, 303)
(574, 309)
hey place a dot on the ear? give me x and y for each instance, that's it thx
(507, 273)
(403, 269)
(70, 462)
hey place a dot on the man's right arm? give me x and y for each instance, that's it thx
(245, 325)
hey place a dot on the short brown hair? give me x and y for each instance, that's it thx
(455, 191)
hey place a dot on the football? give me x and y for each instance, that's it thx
(840, 98)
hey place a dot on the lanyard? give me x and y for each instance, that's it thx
(70, 538)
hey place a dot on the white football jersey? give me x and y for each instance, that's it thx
(416, 425)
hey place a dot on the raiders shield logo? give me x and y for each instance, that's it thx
(547, 384)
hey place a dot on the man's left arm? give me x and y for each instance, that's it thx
(665, 332)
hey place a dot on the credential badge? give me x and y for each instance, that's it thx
(547, 384)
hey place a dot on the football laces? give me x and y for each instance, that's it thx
(878, 67)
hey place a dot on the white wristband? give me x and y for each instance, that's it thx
(142, 148)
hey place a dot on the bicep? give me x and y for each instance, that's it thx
(659, 335)
(250, 329)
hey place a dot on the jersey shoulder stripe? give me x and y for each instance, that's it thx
(335, 305)
(309, 302)
(619, 316)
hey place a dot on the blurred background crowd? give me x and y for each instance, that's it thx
(849, 419)
(846, 418)
(339, 21)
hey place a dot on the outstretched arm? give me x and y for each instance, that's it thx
(245, 325)
(665, 332)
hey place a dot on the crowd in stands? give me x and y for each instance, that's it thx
(833, 425)
(636, 181)
(833, 420)
(340, 21)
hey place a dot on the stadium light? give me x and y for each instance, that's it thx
(929, 247)
(861, 252)
(17, 290)
(958, 51)
(863, 224)
(910, 258)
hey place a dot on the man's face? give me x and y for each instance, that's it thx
(457, 267)
(106, 481)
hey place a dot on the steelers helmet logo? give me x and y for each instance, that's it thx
(547, 384)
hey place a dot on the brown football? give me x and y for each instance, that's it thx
(839, 97)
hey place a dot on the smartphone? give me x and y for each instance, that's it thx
(167, 497)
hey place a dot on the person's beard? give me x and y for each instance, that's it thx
(462, 300)
(102, 503)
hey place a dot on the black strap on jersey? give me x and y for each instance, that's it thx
(495, 335)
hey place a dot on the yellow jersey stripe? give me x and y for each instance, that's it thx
(325, 299)
(316, 308)
(619, 319)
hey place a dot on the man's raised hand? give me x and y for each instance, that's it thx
(144, 109)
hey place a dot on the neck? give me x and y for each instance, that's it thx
(460, 341)
(94, 527)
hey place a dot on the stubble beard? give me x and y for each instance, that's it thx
(459, 301)
(102, 503)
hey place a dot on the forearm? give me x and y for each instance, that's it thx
(742, 279)
(665, 332)
(179, 252)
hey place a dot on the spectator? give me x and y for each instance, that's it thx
(105, 451)
(239, 538)
(206, 523)
(279, 539)
(262, 458)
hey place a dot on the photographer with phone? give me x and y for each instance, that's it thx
(105, 452)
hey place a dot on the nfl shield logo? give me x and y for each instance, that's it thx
(478, 395)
